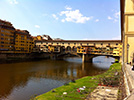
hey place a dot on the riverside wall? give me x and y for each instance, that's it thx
(9, 58)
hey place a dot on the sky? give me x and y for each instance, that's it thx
(65, 19)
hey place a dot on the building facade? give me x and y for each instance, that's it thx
(127, 29)
(23, 42)
(6, 37)
(13, 40)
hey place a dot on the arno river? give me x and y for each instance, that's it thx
(22, 81)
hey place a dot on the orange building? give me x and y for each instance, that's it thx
(6, 37)
(23, 42)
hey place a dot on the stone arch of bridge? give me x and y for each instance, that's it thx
(62, 49)
(89, 58)
(74, 49)
(68, 48)
(68, 54)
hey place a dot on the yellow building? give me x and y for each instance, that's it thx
(127, 29)
(54, 48)
(117, 51)
(39, 37)
(34, 38)
(6, 37)
(23, 42)
(51, 48)
(80, 49)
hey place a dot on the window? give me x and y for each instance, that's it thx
(7, 32)
(116, 43)
(2, 30)
(62, 43)
(22, 36)
(22, 41)
(101, 43)
(2, 34)
(80, 43)
(2, 38)
(87, 43)
(74, 43)
(68, 43)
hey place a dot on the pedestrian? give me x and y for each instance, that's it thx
(133, 64)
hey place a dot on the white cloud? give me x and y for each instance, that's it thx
(13, 1)
(62, 20)
(110, 18)
(74, 16)
(97, 20)
(37, 26)
(54, 16)
(117, 14)
(68, 8)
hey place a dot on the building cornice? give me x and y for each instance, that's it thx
(78, 40)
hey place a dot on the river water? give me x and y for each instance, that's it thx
(22, 81)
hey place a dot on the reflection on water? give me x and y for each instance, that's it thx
(103, 62)
(21, 81)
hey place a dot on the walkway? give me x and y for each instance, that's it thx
(104, 93)
(129, 77)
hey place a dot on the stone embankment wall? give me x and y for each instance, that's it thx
(8, 58)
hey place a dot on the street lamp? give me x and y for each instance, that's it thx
(127, 51)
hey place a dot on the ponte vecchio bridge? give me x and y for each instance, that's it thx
(87, 49)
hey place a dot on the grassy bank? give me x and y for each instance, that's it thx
(111, 78)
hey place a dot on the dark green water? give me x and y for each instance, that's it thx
(22, 81)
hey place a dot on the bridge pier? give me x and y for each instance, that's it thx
(86, 58)
(52, 56)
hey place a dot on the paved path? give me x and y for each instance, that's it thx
(110, 93)
(104, 93)
(130, 81)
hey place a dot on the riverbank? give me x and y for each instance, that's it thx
(81, 88)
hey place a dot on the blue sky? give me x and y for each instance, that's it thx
(66, 19)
